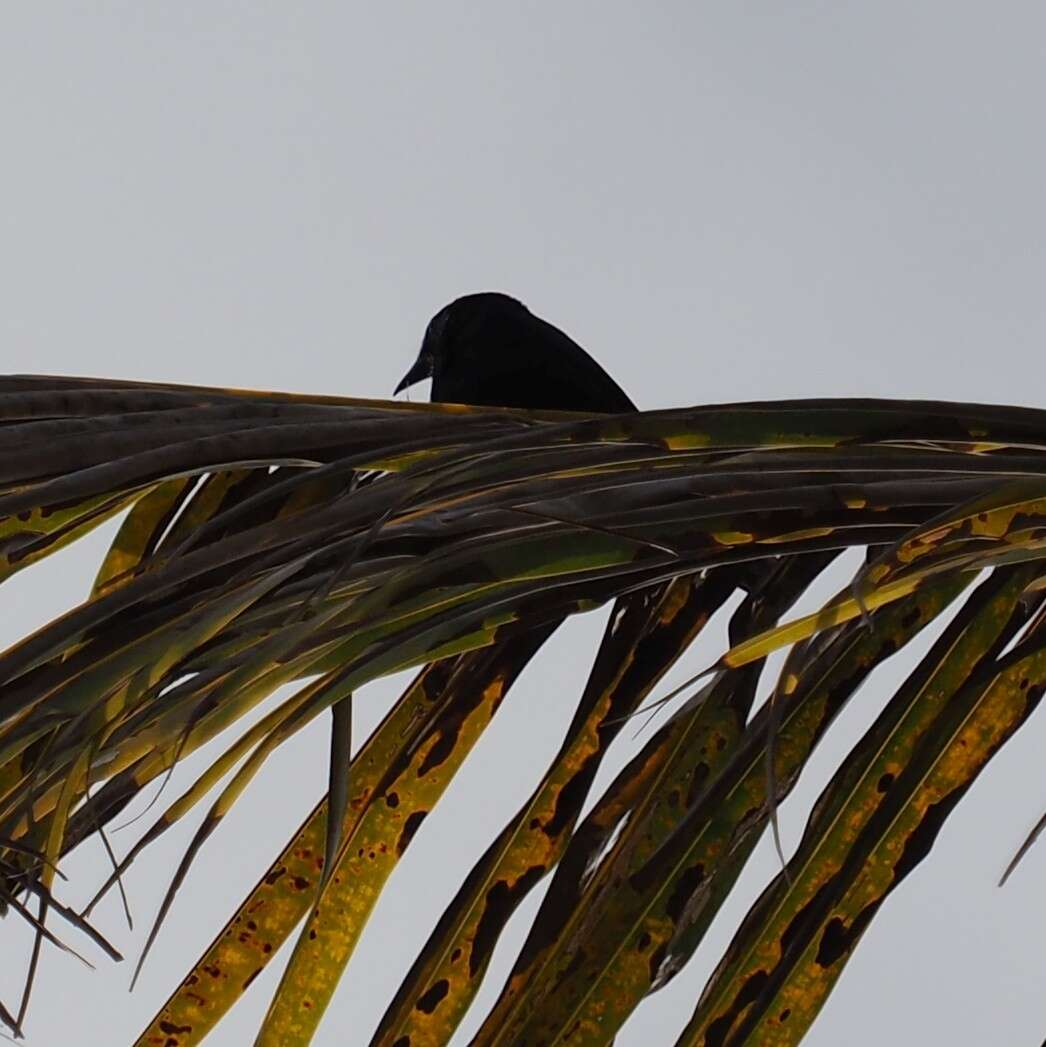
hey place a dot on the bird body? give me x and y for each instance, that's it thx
(489, 350)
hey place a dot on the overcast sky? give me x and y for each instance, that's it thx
(721, 201)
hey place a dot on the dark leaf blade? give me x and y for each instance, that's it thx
(409, 790)
(339, 783)
(852, 831)
(646, 633)
(429, 718)
(587, 921)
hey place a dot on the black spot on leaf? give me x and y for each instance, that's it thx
(501, 902)
(410, 827)
(431, 998)
(720, 1028)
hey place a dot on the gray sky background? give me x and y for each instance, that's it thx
(722, 201)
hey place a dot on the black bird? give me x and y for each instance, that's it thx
(490, 350)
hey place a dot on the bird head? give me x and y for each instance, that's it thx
(452, 322)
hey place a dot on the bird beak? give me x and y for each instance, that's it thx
(421, 370)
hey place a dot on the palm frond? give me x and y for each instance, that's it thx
(321, 543)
